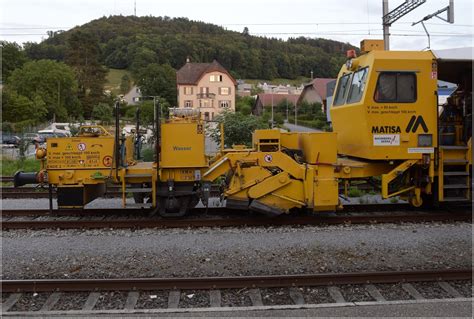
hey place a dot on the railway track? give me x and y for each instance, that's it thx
(214, 217)
(10, 192)
(229, 293)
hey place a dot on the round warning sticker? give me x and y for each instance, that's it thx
(268, 158)
(107, 161)
(81, 147)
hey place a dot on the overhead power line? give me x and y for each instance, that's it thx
(252, 24)
(414, 34)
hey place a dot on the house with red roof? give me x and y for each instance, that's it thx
(316, 92)
(266, 100)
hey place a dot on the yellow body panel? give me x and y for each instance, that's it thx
(79, 159)
(276, 181)
(182, 145)
(319, 148)
(371, 45)
(380, 130)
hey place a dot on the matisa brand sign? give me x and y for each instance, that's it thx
(386, 129)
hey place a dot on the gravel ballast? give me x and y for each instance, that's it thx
(233, 251)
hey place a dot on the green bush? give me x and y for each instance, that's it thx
(278, 118)
(238, 128)
(354, 192)
(147, 154)
(102, 112)
(394, 200)
(245, 110)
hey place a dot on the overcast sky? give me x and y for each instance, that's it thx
(342, 20)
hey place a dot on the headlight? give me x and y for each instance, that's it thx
(425, 140)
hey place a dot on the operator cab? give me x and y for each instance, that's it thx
(385, 105)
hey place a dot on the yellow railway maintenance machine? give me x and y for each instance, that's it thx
(387, 122)
(80, 166)
(387, 115)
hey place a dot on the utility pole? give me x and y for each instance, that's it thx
(272, 107)
(389, 18)
(386, 31)
(135, 8)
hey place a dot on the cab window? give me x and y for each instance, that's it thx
(342, 89)
(357, 86)
(396, 87)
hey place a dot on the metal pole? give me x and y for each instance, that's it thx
(222, 136)
(158, 131)
(137, 134)
(59, 99)
(296, 114)
(117, 137)
(386, 31)
(427, 33)
(272, 107)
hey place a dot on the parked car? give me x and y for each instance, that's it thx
(33, 138)
(45, 135)
(11, 140)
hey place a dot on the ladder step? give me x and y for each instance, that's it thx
(454, 147)
(137, 175)
(139, 205)
(455, 199)
(455, 186)
(456, 173)
(138, 190)
(455, 161)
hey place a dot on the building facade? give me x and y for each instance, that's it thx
(208, 87)
(267, 100)
(316, 92)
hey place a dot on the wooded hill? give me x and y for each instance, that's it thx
(129, 42)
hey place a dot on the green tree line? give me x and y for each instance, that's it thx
(129, 42)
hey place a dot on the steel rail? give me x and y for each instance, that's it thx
(322, 279)
(9, 192)
(241, 221)
(211, 210)
(4, 179)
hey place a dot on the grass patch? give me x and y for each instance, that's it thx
(354, 192)
(114, 78)
(9, 166)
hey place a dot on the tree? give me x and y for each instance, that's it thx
(125, 84)
(52, 82)
(158, 80)
(134, 42)
(13, 57)
(244, 104)
(147, 112)
(102, 112)
(21, 110)
(82, 54)
(238, 128)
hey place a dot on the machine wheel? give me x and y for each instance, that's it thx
(416, 203)
(174, 206)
